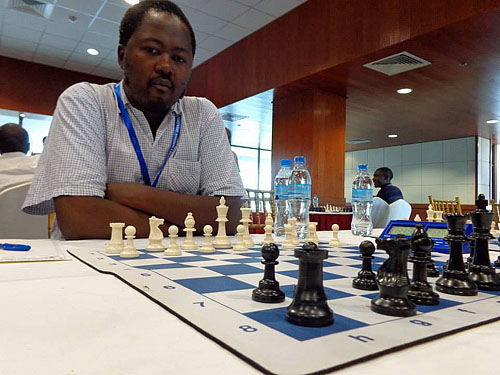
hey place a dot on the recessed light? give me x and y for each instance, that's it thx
(492, 122)
(392, 135)
(404, 91)
(22, 115)
(72, 18)
(92, 51)
(132, 2)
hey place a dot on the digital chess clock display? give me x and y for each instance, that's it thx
(400, 229)
(437, 232)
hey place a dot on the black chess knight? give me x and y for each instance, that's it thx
(455, 279)
(309, 306)
(480, 270)
(366, 279)
(392, 279)
(420, 290)
(269, 289)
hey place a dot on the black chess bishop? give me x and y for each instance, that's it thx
(309, 306)
(269, 289)
(366, 279)
(392, 279)
(455, 279)
(420, 290)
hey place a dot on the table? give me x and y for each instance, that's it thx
(325, 220)
(64, 317)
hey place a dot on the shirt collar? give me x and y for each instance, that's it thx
(16, 154)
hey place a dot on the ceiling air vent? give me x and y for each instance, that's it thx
(232, 117)
(356, 141)
(33, 7)
(398, 63)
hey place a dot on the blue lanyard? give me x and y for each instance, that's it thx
(133, 138)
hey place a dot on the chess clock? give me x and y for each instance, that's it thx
(436, 231)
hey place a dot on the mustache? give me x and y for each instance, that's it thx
(163, 81)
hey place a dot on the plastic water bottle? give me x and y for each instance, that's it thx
(362, 201)
(299, 195)
(315, 201)
(281, 197)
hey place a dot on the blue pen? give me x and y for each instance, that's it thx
(15, 247)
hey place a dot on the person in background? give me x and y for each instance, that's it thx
(16, 168)
(228, 133)
(125, 152)
(388, 192)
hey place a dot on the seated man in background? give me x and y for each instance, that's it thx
(388, 192)
(16, 168)
(123, 152)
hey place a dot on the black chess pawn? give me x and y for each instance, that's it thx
(431, 268)
(480, 270)
(392, 279)
(366, 279)
(455, 279)
(309, 306)
(420, 290)
(269, 289)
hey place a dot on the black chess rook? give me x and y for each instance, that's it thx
(455, 279)
(392, 279)
(366, 279)
(309, 306)
(269, 289)
(420, 290)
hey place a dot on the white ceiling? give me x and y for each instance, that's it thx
(56, 41)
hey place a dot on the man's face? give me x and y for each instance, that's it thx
(157, 62)
(379, 179)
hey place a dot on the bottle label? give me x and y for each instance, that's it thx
(281, 192)
(362, 195)
(299, 191)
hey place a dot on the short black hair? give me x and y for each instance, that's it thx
(134, 15)
(387, 172)
(13, 138)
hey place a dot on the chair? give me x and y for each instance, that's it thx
(399, 210)
(14, 223)
(380, 213)
(262, 204)
(494, 208)
(446, 206)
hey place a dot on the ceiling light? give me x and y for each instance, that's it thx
(404, 91)
(492, 122)
(92, 51)
(22, 115)
(392, 135)
(132, 2)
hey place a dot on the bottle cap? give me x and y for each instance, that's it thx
(300, 160)
(362, 166)
(286, 163)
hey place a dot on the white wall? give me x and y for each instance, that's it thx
(444, 169)
(484, 168)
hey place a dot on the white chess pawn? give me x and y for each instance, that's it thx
(240, 244)
(293, 223)
(207, 246)
(417, 218)
(288, 243)
(268, 229)
(269, 220)
(173, 248)
(189, 243)
(335, 239)
(155, 234)
(310, 237)
(493, 227)
(116, 243)
(129, 250)
(316, 238)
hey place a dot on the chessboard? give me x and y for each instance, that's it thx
(212, 293)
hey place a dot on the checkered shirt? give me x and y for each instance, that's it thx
(89, 146)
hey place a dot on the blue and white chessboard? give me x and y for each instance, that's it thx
(212, 292)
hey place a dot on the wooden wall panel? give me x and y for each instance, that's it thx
(319, 35)
(312, 124)
(30, 87)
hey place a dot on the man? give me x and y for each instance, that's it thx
(16, 168)
(388, 192)
(121, 153)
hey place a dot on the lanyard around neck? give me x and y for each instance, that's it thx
(135, 142)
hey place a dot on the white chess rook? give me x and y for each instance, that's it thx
(116, 243)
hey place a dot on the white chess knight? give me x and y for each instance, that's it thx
(221, 240)
(335, 242)
(240, 244)
(155, 234)
(173, 249)
(189, 223)
(207, 246)
(116, 243)
(129, 251)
